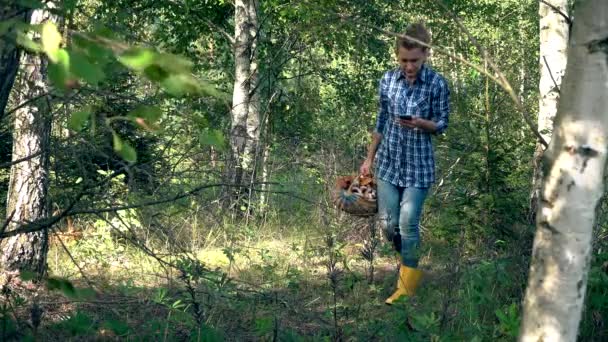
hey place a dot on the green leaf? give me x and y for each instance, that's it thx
(81, 42)
(177, 304)
(213, 138)
(63, 285)
(86, 293)
(200, 120)
(27, 275)
(181, 84)
(149, 113)
(116, 142)
(83, 68)
(103, 31)
(52, 284)
(128, 153)
(29, 27)
(67, 288)
(138, 58)
(263, 325)
(206, 333)
(63, 59)
(155, 73)
(77, 324)
(79, 119)
(123, 149)
(120, 328)
(51, 39)
(57, 75)
(501, 316)
(59, 72)
(174, 63)
(99, 53)
(25, 41)
(96, 52)
(146, 116)
(211, 90)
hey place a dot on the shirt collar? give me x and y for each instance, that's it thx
(422, 74)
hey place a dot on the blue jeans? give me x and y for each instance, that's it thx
(400, 208)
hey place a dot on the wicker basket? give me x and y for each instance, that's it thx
(356, 195)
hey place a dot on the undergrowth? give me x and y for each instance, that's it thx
(321, 279)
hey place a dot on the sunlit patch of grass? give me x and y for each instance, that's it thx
(105, 259)
(214, 257)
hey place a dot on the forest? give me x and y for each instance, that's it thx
(168, 171)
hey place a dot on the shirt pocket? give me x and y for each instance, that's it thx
(423, 108)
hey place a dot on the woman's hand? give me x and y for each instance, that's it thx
(410, 123)
(365, 168)
(418, 123)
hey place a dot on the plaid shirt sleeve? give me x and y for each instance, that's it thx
(382, 105)
(441, 105)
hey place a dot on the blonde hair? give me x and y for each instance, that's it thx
(417, 31)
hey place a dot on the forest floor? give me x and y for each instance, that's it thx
(280, 287)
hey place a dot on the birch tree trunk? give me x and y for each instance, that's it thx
(253, 115)
(245, 128)
(554, 32)
(265, 159)
(573, 184)
(29, 180)
(9, 53)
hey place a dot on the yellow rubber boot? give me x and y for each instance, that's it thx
(406, 283)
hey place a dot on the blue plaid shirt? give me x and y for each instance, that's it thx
(405, 156)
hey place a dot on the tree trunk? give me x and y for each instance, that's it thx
(554, 32)
(9, 53)
(253, 115)
(265, 159)
(572, 187)
(245, 129)
(29, 180)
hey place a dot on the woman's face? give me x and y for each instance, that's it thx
(410, 61)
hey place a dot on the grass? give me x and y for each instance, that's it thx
(299, 283)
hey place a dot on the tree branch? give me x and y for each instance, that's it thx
(147, 203)
(558, 11)
(220, 30)
(69, 211)
(551, 74)
(67, 251)
(25, 103)
(14, 162)
(7, 222)
(48, 222)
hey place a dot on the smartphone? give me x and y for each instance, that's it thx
(406, 117)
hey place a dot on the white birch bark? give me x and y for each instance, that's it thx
(554, 33)
(265, 159)
(245, 128)
(573, 184)
(253, 115)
